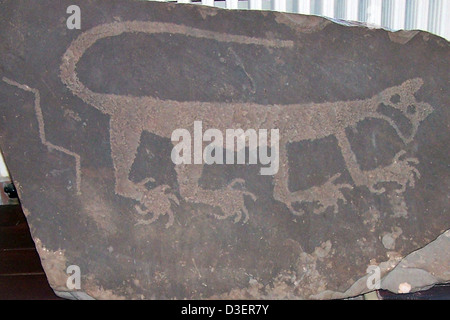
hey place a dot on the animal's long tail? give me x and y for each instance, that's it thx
(69, 75)
(106, 102)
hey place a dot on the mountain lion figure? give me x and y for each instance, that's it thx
(130, 116)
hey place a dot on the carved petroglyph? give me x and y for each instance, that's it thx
(41, 127)
(329, 188)
(399, 171)
(130, 115)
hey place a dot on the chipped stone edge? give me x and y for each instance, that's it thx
(73, 295)
(302, 23)
(416, 269)
(360, 287)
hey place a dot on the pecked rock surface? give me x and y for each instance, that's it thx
(86, 118)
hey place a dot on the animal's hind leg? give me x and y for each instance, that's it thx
(350, 159)
(228, 199)
(325, 195)
(281, 189)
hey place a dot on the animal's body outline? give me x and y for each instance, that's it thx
(130, 116)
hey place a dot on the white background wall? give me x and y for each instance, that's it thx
(3, 171)
(428, 15)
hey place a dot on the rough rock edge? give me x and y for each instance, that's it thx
(423, 268)
(391, 279)
(418, 261)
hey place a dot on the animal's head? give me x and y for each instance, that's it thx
(399, 106)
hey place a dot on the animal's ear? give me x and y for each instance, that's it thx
(412, 85)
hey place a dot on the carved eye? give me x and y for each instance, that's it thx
(395, 98)
(411, 109)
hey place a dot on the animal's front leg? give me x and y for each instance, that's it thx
(323, 196)
(125, 135)
(281, 179)
(228, 199)
(402, 171)
(351, 163)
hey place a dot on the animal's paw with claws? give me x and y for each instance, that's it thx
(157, 202)
(325, 196)
(401, 171)
(232, 202)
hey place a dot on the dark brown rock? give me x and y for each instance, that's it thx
(85, 125)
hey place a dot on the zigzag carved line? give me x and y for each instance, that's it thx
(41, 126)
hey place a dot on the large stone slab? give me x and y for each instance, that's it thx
(86, 119)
